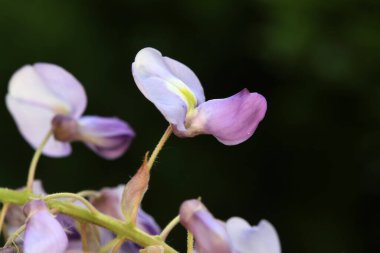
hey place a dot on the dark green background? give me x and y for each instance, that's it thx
(313, 166)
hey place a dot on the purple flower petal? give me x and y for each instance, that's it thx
(33, 122)
(43, 232)
(231, 120)
(262, 238)
(68, 225)
(108, 137)
(109, 202)
(147, 223)
(210, 235)
(10, 250)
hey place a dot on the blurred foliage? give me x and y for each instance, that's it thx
(312, 168)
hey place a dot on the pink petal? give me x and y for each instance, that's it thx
(108, 137)
(231, 120)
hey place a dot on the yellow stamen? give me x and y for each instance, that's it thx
(184, 92)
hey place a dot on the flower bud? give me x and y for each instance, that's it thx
(65, 128)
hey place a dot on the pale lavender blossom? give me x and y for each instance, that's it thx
(45, 96)
(176, 91)
(234, 236)
(43, 233)
(109, 202)
(245, 238)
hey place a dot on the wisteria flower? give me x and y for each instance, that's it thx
(234, 236)
(176, 91)
(45, 96)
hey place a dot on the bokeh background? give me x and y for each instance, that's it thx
(313, 166)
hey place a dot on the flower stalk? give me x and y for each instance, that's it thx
(159, 146)
(35, 159)
(120, 228)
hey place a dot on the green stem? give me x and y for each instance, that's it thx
(190, 242)
(118, 245)
(33, 164)
(73, 196)
(83, 237)
(118, 227)
(110, 245)
(3, 213)
(169, 228)
(159, 146)
(14, 236)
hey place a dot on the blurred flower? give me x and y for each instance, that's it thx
(245, 238)
(43, 233)
(45, 96)
(176, 91)
(109, 202)
(234, 236)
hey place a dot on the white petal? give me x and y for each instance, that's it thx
(172, 106)
(65, 85)
(262, 238)
(33, 121)
(186, 75)
(50, 86)
(150, 62)
(175, 86)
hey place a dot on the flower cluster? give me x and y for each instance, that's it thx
(46, 233)
(47, 104)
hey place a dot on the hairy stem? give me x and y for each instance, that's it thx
(190, 242)
(164, 234)
(123, 230)
(159, 146)
(73, 196)
(14, 236)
